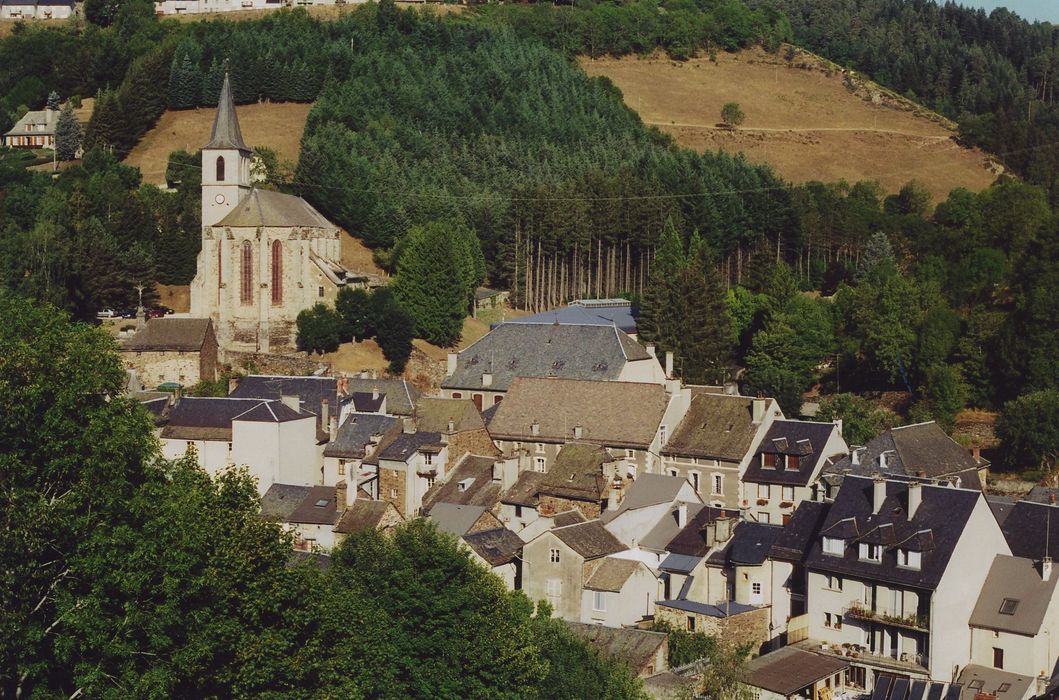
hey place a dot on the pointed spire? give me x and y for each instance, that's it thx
(226, 133)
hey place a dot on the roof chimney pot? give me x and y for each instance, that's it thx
(878, 494)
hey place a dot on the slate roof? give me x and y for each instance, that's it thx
(311, 391)
(648, 490)
(1042, 494)
(934, 530)
(363, 515)
(454, 518)
(568, 517)
(601, 408)
(364, 402)
(1015, 579)
(729, 609)
(609, 574)
(799, 533)
(788, 670)
(171, 334)
(1001, 507)
(620, 316)
(577, 473)
(636, 647)
(749, 545)
(589, 539)
(922, 450)
(498, 546)
(691, 540)
(469, 483)
(317, 508)
(992, 679)
(680, 563)
(524, 491)
(33, 117)
(356, 431)
(1032, 530)
(716, 426)
(434, 414)
(268, 208)
(210, 418)
(668, 527)
(226, 133)
(406, 445)
(543, 350)
(802, 439)
(281, 500)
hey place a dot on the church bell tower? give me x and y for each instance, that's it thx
(225, 162)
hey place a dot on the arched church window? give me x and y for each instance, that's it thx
(277, 272)
(246, 289)
(220, 168)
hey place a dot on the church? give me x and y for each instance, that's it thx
(265, 255)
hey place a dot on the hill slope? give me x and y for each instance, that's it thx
(804, 120)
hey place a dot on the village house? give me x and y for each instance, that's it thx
(788, 573)
(500, 551)
(618, 592)
(582, 477)
(714, 442)
(461, 423)
(613, 313)
(554, 565)
(895, 574)
(357, 437)
(485, 370)
(408, 465)
(519, 504)
(685, 573)
(655, 507)
(790, 673)
(984, 681)
(275, 440)
(326, 515)
(474, 481)
(786, 466)
(177, 350)
(922, 451)
(35, 9)
(460, 519)
(645, 652)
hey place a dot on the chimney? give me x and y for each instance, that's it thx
(332, 429)
(343, 385)
(759, 410)
(976, 452)
(915, 497)
(535, 428)
(450, 369)
(878, 494)
(291, 402)
(409, 425)
(325, 412)
(882, 460)
(854, 457)
(487, 379)
(710, 534)
(724, 528)
(612, 499)
(578, 431)
(651, 351)
(1046, 569)
(340, 496)
(838, 424)
(682, 515)
(731, 389)
(451, 426)
(375, 393)
(233, 382)
(669, 364)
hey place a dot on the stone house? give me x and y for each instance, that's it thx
(366, 514)
(180, 350)
(554, 565)
(895, 574)
(644, 651)
(408, 465)
(715, 441)
(462, 519)
(460, 422)
(735, 623)
(274, 439)
(582, 477)
(474, 481)
(785, 468)
(519, 504)
(618, 592)
(326, 515)
(485, 370)
(357, 437)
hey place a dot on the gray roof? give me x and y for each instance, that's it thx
(525, 489)
(602, 409)
(226, 133)
(716, 426)
(1042, 494)
(590, 539)
(356, 432)
(311, 391)
(577, 473)
(268, 208)
(788, 670)
(34, 117)
(749, 546)
(317, 508)
(455, 519)
(648, 490)
(281, 500)
(680, 563)
(543, 350)
(568, 517)
(802, 440)
(798, 534)
(577, 313)
(921, 450)
(498, 546)
(404, 446)
(659, 537)
(434, 414)
(469, 483)
(636, 647)
(609, 573)
(1017, 582)
(721, 610)
(1032, 530)
(210, 418)
(171, 334)
(691, 540)
(991, 680)
(364, 514)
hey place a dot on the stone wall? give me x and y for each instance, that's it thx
(295, 364)
(392, 481)
(475, 442)
(154, 368)
(751, 627)
(487, 521)
(550, 505)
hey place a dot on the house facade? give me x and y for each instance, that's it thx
(618, 592)
(179, 350)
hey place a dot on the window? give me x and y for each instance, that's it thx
(554, 588)
(220, 168)
(553, 555)
(1009, 606)
(277, 273)
(691, 623)
(763, 491)
(998, 657)
(838, 622)
(430, 482)
(787, 493)
(458, 395)
(834, 582)
(755, 588)
(497, 399)
(341, 467)
(827, 620)
(540, 448)
(428, 459)
(630, 454)
(393, 493)
(909, 560)
(1003, 688)
(320, 292)
(694, 477)
(246, 282)
(768, 460)
(229, 448)
(718, 484)
(764, 518)
(662, 434)
(793, 462)
(539, 464)
(870, 552)
(220, 268)
(673, 472)
(599, 601)
(518, 511)
(834, 546)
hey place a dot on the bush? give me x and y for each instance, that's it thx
(319, 329)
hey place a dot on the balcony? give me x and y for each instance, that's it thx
(857, 611)
(914, 665)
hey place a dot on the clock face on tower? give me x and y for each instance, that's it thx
(219, 199)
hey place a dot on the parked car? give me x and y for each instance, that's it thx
(155, 313)
(106, 313)
(127, 313)
(164, 309)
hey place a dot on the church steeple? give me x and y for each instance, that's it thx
(225, 161)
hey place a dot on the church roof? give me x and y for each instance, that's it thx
(268, 208)
(226, 133)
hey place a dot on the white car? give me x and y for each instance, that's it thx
(107, 313)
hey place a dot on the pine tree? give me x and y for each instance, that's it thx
(705, 341)
(211, 84)
(67, 134)
(656, 320)
(53, 101)
(185, 83)
(105, 124)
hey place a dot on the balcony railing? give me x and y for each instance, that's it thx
(903, 662)
(857, 611)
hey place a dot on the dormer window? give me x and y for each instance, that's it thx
(1009, 606)
(792, 463)
(768, 460)
(870, 552)
(908, 559)
(834, 546)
